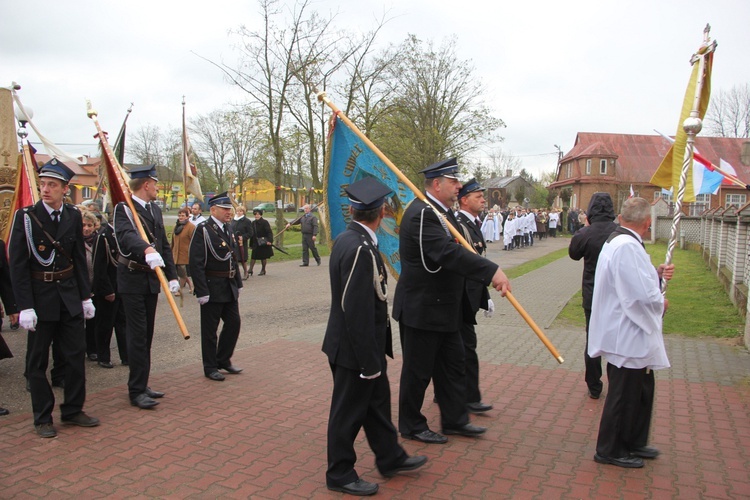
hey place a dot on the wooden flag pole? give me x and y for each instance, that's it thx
(456, 234)
(129, 200)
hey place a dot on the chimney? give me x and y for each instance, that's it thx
(745, 154)
(509, 173)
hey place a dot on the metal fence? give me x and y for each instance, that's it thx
(723, 237)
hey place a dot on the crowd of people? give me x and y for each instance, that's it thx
(518, 227)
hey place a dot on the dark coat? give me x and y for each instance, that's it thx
(48, 298)
(434, 300)
(243, 227)
(358, 335)
(588, 241)
(478, 293)
(209, 242)
(105, 262)
(6, 293)
(132, 246)
(261, 229)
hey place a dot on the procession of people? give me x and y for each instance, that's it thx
(61, 259)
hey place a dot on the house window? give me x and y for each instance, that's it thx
(667, 195)
(568, 170)
(588, 167)
(86, 192)
(603, 167)
(737, 200)
(701, 204)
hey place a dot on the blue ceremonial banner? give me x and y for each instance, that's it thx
(350, 160)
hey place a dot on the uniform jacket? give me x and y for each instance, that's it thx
(29, 246)
(132, 246)
(476, 291)
(181, 244)
(588, 241)
(431, 294)
(243, 227)
(358, 335)
(213, 250)
(105, 262)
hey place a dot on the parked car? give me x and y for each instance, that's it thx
(266, 207)
(290, 207)
(162, 205)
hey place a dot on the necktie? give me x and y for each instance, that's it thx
(478, 222)
(56, 218)
(148, 208)
(226, 229)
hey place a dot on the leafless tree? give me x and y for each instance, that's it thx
(212, 139)
(729, 113)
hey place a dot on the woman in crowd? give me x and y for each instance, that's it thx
(183, 233)
(242, 229)
(262, 240)
(90, 230)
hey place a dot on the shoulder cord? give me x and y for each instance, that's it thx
(129, 215)
(32, 247)
(382, 295)
(421, 249)
(227, 257)
(110, 258)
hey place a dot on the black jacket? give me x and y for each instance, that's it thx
(476, 291)
(588, 241)
(212, 250)
(358, 335)
(431, 291)
(105, 262)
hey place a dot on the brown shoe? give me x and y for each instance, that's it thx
(46, 430)
(81, 419)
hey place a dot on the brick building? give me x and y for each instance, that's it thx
(613, 162)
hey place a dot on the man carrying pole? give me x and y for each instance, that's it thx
(136, 278)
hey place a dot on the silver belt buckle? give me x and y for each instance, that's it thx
(49, 276)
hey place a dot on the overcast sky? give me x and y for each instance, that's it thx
(551, 68)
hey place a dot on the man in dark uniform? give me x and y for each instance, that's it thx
(136, 280)
(110, 312)
(587, 243)
(309, 228)
(430, 304)
(217, 282)
(51, 286)
(357, 339)
(471, 203)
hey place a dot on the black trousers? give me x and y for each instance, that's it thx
(309, 245)
(431, 355)
(358, 403)
(626, 418)
(469, 337)
(593, 373)
(110, 315)
(91, 334)
(140, 311)
(69, 336)
(219, 353)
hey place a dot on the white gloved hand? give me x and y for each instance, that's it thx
(154, 260)
(27, 319)
(88, 309)
(490, 309)
(203, 300)
(174, 286)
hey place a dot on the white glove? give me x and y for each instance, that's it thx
(154, 260)
(27, 319)
(203, 300)
(490, 309)
(369, 377)
(88, 309)
(174, 286)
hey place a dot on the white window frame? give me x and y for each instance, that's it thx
(86, 192)
(741, 199)
(588, 166)
(701, 204)
(603, 167)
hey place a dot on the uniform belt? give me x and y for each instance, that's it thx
(49, 276)
(133, 265)
(221, 274)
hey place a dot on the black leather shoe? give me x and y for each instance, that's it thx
(215, 376)
(93, 357)
(360, 488)
(125, 363)
(318, 262)
(478, 407)
(645, 452)
(594, 395)
(231, 369)
(468, 430)
(46, 430)
(627, 462)
(106, 364)
(303, 265)
(3, 412)
(410, 463)
(153, 394)
(427, 437)
(143, 402)
(81, 419)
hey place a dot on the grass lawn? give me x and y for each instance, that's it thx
(698, 304)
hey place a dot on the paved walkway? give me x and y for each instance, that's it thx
(261, 434)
